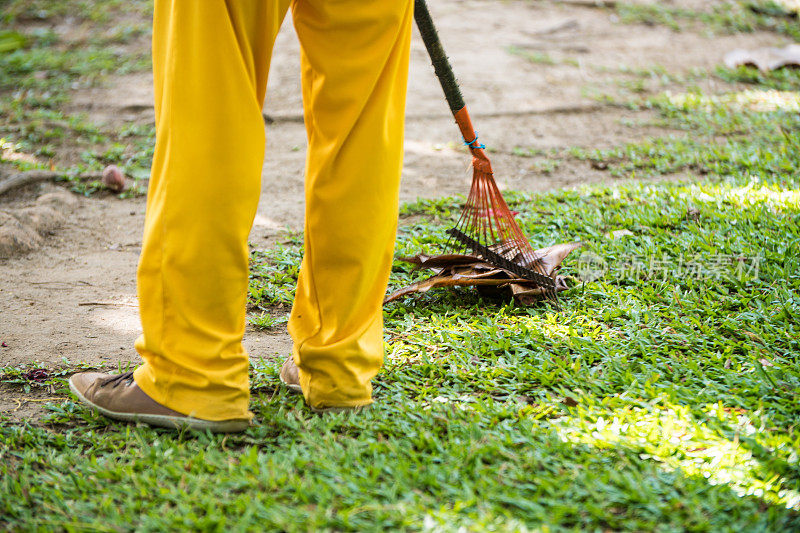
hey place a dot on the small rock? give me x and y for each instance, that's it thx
(113, 178)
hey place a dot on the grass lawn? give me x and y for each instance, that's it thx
(664, 396)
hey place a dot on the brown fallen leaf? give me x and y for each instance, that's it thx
(764, 59)
(476, 273)
(441, 261)
(525, 296)
(548, 259)
(569, 401)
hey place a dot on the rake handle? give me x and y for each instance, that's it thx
(438, 58)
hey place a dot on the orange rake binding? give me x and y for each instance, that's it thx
(486, 226)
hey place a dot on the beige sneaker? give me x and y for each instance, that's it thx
(290, 376)
(120, 398)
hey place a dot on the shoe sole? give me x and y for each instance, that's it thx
(165, 421)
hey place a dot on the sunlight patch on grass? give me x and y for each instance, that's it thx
(751, 195)
(670, 435)
(552, 326)
(750, 100)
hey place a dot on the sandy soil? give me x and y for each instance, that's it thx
(74, 298)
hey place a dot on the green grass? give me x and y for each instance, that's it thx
(732, 16)
(663, 397)
(751, 132)
(273, 277)
(785, 79)
(82, 11)
(541, 58)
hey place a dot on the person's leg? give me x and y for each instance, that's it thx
(210, 64)
(355, 71)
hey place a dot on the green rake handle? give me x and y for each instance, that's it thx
(438, 58)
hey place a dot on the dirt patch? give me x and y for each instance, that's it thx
(22, 227)
(20, 405)
(530, 72)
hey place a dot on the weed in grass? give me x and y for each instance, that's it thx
(267, 321)
(520, 151)
(541, 58)
(545, 165)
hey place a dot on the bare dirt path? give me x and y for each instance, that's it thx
(529, 71)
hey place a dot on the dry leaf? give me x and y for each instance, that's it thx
(434, 261)
(764, 59)
(551, 257)
(528, 296)
(569, 401)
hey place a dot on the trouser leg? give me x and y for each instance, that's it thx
(210, 65)
(354, 73)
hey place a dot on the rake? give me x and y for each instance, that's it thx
(486, 226)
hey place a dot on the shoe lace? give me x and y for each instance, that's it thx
(113, 381)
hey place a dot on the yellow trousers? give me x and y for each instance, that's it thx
(210, 64)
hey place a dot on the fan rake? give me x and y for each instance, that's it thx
(486, 226)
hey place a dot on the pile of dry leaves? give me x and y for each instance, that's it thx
(453, 270)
